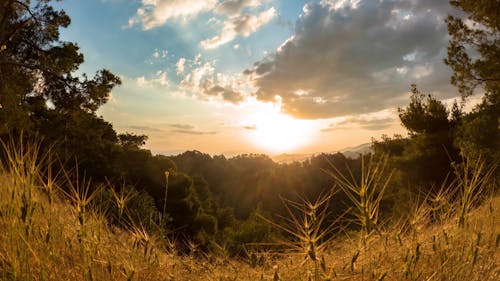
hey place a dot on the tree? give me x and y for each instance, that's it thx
(478, 35)
(39, 93)
(36, 68)
(424, 159)
(132, 140)
(474, 56)
(424, 114)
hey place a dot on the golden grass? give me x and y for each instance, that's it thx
(46, 234)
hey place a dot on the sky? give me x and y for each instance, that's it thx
(262, 76)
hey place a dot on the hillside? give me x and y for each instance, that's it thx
(84, 196)
(349, 152)
(48, 234)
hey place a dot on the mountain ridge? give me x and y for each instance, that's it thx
(349, 152)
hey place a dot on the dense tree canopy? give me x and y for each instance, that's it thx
(214, 198)
(37, 68)
(39, 92)
(474, 47)
(474, 57)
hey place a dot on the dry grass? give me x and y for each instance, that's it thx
(366, 193)
(47, 234)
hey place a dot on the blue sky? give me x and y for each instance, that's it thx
(271, 76)
(100, 27)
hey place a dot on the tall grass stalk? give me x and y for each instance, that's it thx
(121, 199)
(165, 199)
(39, 232)
(80, 193)
(22, 162)
(472, 177)
(307, 224)
(442, 201)
(365, 193)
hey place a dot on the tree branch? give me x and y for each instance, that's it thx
(40, 68)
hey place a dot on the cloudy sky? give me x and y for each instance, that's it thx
(262, 76)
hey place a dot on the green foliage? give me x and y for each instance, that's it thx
(247, 234)
(474, 49)
(131, 140)
(479, 135)
(473, 55)
(207, 223)
(437, 137)
(424, 114)
(40, 94)
(423, 160)
(209, 200)
(36, 68)
(51, 243)
(127, 206)
(243, 182)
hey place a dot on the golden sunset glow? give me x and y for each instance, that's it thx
(234, 80)
(277, 132)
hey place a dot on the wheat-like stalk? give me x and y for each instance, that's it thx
(308, 226)
(367, 192)
(121, 199)
(472, 179)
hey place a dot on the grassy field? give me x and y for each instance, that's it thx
(48, 234)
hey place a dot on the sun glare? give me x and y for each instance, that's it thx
(276, 132)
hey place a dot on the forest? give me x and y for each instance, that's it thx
(50, 110)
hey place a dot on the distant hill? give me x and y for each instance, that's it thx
(355, 151)
(349, 152)
(290, 158)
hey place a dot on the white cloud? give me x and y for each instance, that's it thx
(341, 4)
(194, 79)
(233, 15)
(235, 6)
(421, 71)
(197, 59)
(154, 13)
(111, 99)
(141, 81)
(180, 66)
(160, 79)
(354, 57)
(241, 24)
(373, 121)
(202, 81)
(159, 54)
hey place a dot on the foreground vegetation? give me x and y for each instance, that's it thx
(78, 201)
(54, 228)
(213, 200)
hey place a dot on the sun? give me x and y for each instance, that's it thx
(277, 133)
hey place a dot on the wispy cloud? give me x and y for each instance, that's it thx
(235, 16)
(182, 126)
(160, 78)
(250, 127)
(192, 132)
(236, 6)
(363, 122)
(145, 128)
(239, 25)
(180, 66)
(189, 129)
(154, 13)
